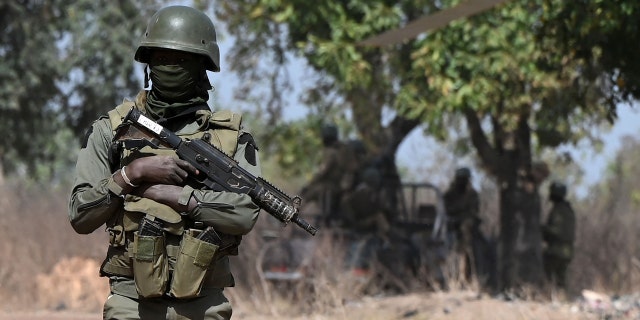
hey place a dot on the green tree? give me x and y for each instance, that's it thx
(351, 84)
(602, 38)
(62, 63)
(499, 72)
(500, 75)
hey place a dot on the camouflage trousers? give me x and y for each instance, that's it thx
(214, 306)
(555, 269)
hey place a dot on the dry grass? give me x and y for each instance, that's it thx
(35, 236)
(46, 266)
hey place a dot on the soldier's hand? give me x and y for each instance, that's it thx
(165, 194)
(160, 170)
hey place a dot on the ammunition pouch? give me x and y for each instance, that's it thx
(180, 273)
(150, 260)
(192, 263)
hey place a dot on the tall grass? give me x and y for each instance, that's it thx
(46, 265)
(35, 235)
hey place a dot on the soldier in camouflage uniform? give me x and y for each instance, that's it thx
(365, 209)
(365, 218)
(157, 263)
(462, 206)
(558, 234)
(333, 178)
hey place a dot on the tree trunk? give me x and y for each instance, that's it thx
(508, 159)
(520, 237)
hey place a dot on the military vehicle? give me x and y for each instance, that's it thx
(417, 248)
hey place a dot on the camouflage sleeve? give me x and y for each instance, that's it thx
(561, 224)
(327, 165)
(453, 205)
(552, 231)
(91, 204)
(229, 212)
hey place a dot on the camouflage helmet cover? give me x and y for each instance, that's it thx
(181, 28)
(558, 189)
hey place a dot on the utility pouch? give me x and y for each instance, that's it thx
(197, 251)
(150, 262)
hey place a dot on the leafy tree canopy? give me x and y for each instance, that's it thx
(62, 63)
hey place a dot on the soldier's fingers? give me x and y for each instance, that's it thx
(186, 166)
(182, 174)
(175, 178)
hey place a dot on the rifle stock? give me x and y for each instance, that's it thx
(219, 171)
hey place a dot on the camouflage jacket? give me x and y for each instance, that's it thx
(93, 202)
(559, 231)
(462, 206)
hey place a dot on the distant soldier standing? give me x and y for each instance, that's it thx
(365, 213)
(334, 177)
(462, 206)
(559, 235)
(365, 209)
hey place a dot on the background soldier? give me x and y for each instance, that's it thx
(462, 206)
(334, 177)
(559, 235)
(359, 153)
(365, 218)
(365, 209)
(154, 214)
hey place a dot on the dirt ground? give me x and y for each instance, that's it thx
(418, 306)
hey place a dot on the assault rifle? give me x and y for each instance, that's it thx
(218, 171)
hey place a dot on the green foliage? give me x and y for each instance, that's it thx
(294, 146)
(346, 80)
(563, 64)
(62, 63)
(503, 63)
(603, 38)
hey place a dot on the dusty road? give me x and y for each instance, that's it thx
(48, 315)
(436, 306)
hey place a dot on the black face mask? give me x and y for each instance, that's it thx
(177, 86)
(179, 82)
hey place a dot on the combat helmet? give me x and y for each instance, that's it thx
(181, 28)
(463, 173)
(372, 177)
(557, 190)
(329, 133)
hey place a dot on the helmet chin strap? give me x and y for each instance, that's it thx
(146, 76)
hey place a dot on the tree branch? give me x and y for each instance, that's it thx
(487, 153)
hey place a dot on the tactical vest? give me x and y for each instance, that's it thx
(222, 129)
